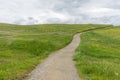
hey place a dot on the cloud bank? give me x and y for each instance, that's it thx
(60, 11)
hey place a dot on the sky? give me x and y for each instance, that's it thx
(29, 12)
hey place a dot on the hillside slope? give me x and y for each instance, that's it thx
(98, 56)
(23, 47)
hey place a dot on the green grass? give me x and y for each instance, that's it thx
(23, 47)
(98, 56)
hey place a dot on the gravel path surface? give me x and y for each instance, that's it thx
(59, 65)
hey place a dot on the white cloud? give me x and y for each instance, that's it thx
(100, 12)
(60, 11)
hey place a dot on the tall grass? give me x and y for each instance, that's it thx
(98, 56)
(23, 47)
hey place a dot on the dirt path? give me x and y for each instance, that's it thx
(59, 65)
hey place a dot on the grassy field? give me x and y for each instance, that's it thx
(98, 56)
(23, 47)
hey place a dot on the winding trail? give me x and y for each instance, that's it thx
(59, 65)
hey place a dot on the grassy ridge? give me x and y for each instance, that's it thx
(23, 47)
(98, 56)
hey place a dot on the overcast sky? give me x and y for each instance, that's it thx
(60, 11)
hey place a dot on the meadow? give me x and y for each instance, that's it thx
(98, 56)
(23, 47)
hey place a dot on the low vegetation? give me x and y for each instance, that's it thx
(23, 47)
(98, 56)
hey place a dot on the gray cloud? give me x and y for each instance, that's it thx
(60, 11)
